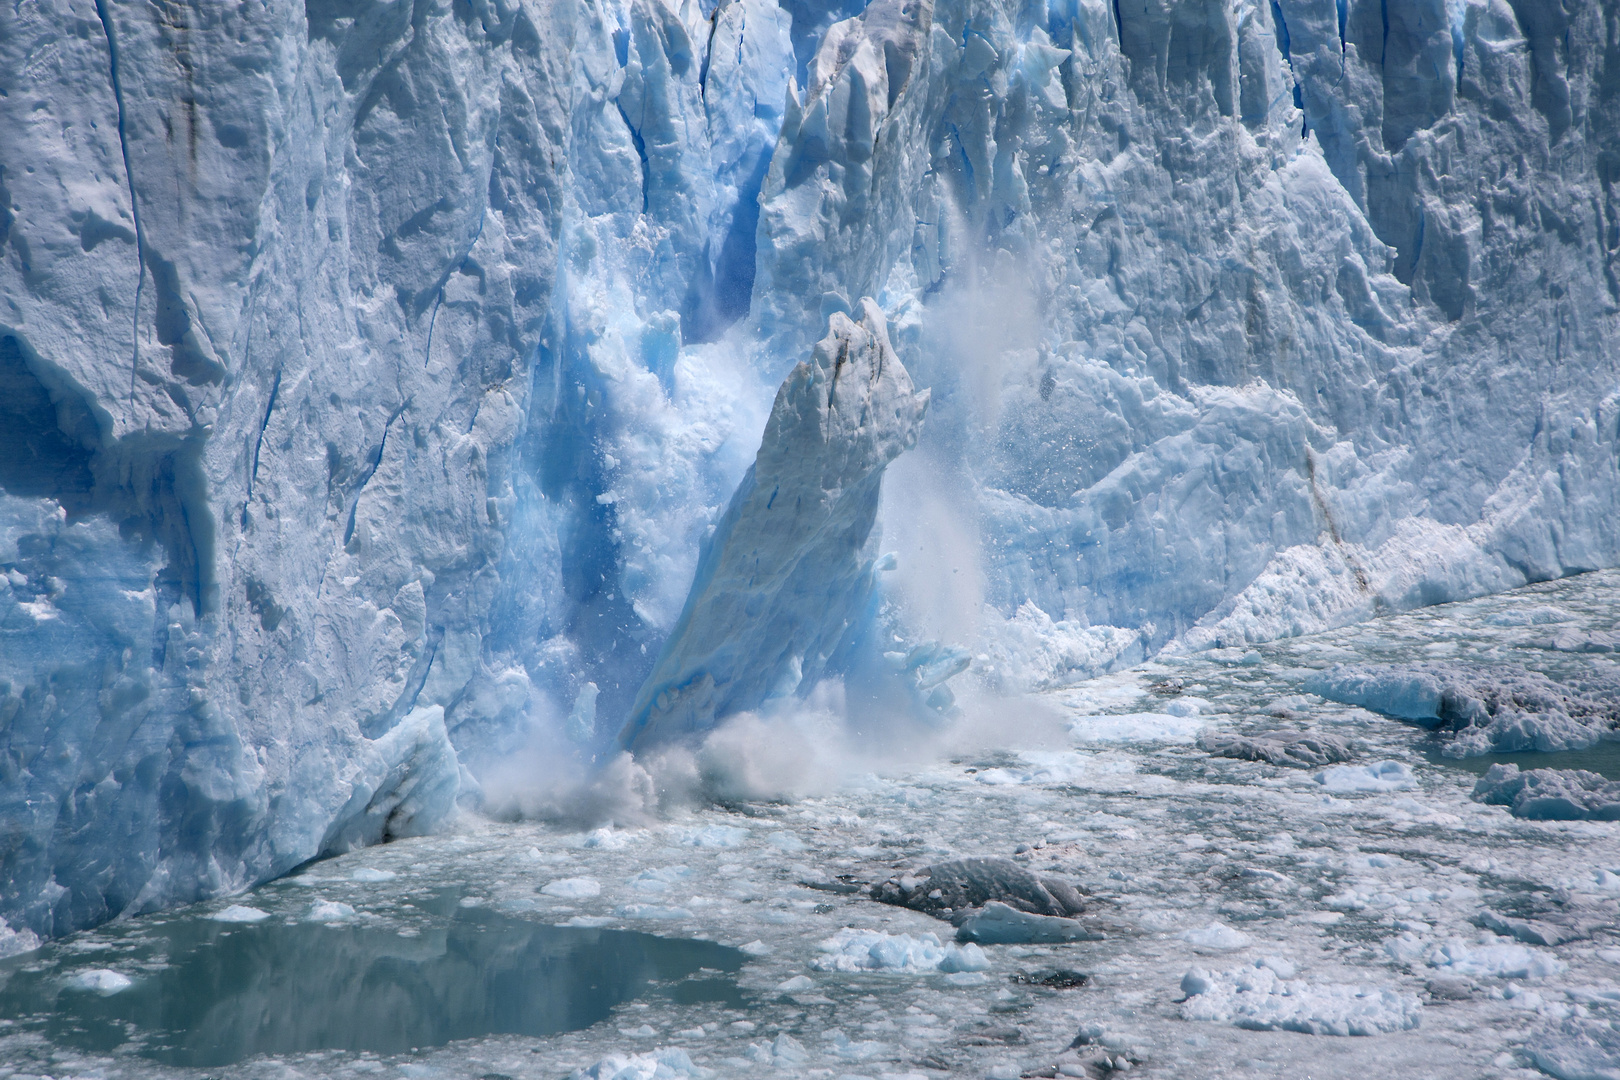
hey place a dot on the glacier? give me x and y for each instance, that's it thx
(372, 373)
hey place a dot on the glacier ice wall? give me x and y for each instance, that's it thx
(372, 370)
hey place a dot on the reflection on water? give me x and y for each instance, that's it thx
(215, 993)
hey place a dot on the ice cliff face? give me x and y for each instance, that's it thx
(370, 372)
(783, 584)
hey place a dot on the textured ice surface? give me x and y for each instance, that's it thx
(959, 885)
(1578, 1049)
(1379, 776)
(1485, 711)
(1300, 750)
(1550, 794)
(869, 950)
(361, 360)
(1257, 997)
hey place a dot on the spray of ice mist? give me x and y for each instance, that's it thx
(746, 701)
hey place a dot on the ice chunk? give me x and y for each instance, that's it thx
(1260, 999)
(1585, 641)
(783, 583)
(1577, 1048)
(960, 884)
(13, 942)
(329, 911)
(1538, 931)
(1550, 794)
(581, 723)
(1297, 750)
(1379, 776)
(873, 950)
(1500, 711)
(1495, 957)
(999, 924)
(573, 888)
(1216, 935)
(657, 1065)
(101, 981)
(370, 875)
(1538, 615)
(240, 913)
(715, 836)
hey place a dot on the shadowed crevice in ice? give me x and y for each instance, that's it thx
(783, 584)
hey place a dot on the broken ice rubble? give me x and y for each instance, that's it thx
(1478, 712)
(1258, 998)
(1550, 794)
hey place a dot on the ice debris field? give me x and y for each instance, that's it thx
(1383, 910)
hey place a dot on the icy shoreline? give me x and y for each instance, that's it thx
(1403, 917)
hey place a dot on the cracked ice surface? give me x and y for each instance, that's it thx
(1241, 904)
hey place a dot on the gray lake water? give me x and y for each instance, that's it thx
(208, 993)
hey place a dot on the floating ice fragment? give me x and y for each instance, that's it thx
(1300, 750)
(657, 1065)
(872, 950)
(1528, 616)
(653, 911)
(715, 836)
(785, 841)
(370, 875)
(13, 942)
(1537, 931)
(1504, 710)
(329, 911)
(1284, 968)
(1001, 924)
(966, 959)
(756, 948)
(238, 913)
(1496, 957)
(1577, 1049)
(1259, 999)
(796, 984)
(959, 884)
(1216, 935)
(573, 888)
(607, 839)
(1550, 794)
(103, 981)
(853, 1050)
(1379, 776)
